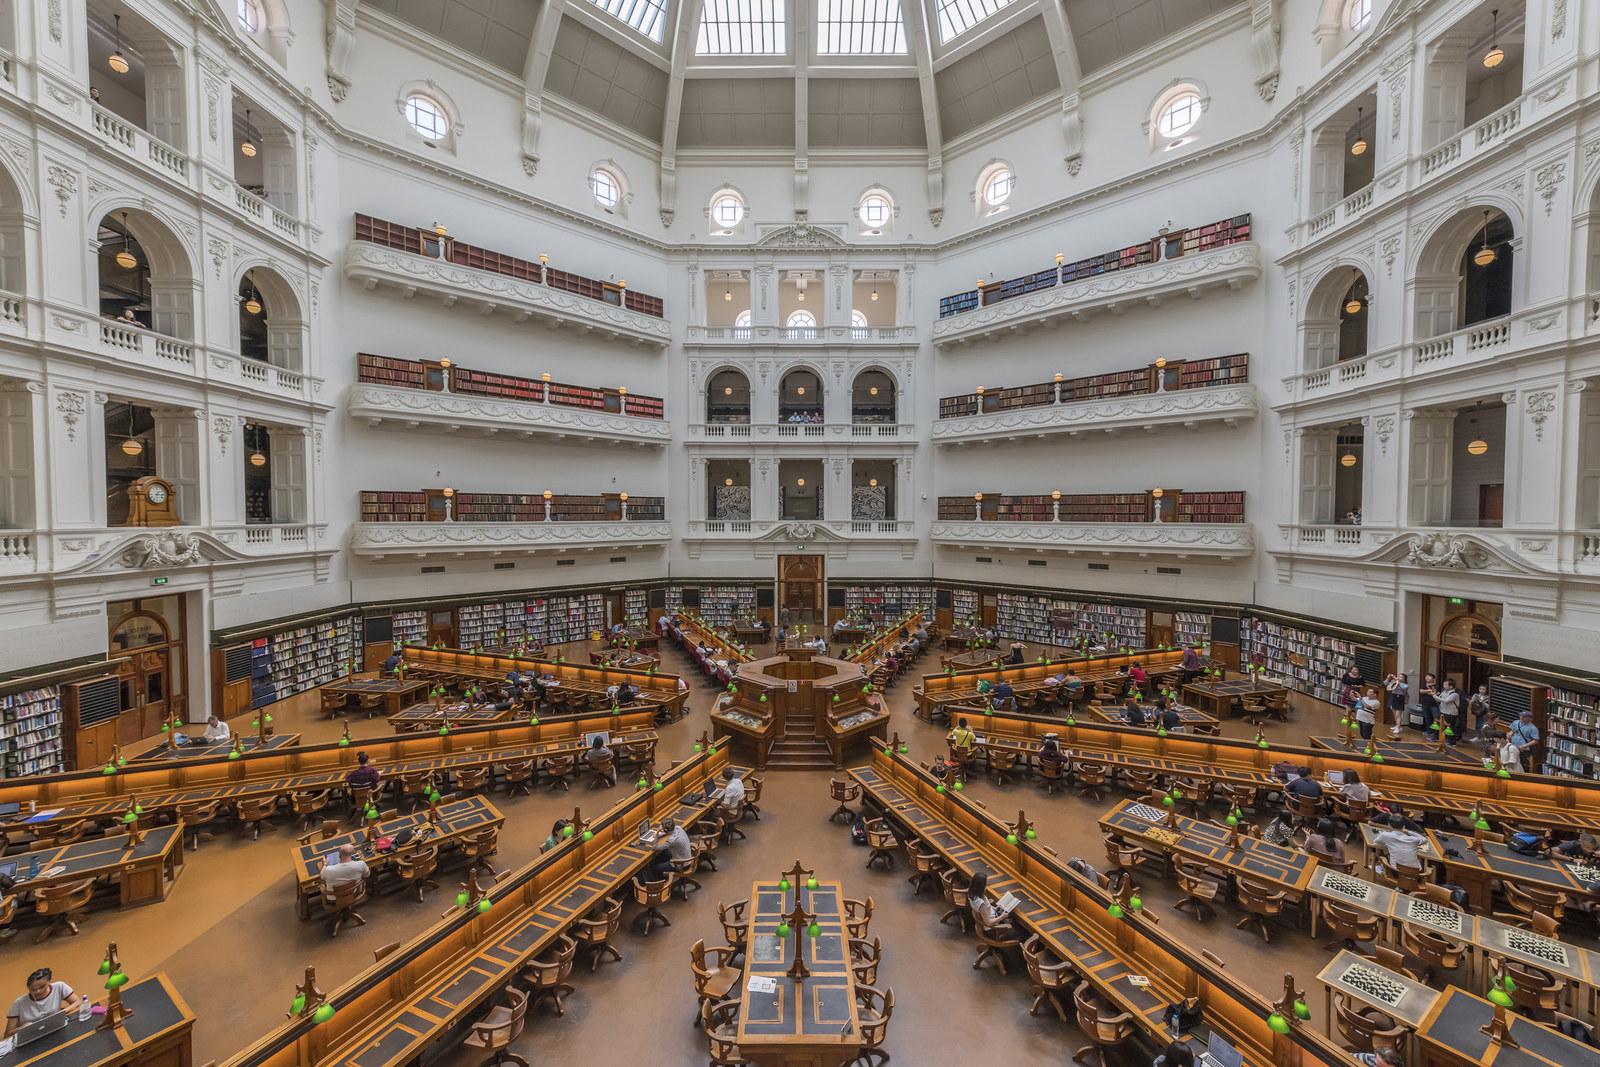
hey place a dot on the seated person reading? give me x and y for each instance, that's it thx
(44, 998)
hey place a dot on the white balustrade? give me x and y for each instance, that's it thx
(11, 308)
(1323, 221)
(1357, 202)
(175, 351)
(110, 127)
(250, 204)
(15, 547)
(121, 337)
(1441, 157)
(1499, 124)
(167, 159)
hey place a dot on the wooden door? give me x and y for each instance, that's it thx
(1161, 631)
(92, 745)
(442, 628)
(613, 610)
(1491, 504)
(989, 604)
(800, 587)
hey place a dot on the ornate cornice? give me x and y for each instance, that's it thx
(379, 539)
(373, 265)
(1167, 538)
(1186, 407)
(411, 409)
(1233, 265)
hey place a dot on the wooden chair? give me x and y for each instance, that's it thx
(1196, 793)
(721, 1025)
(64, 905)
(1050, 776)
(471, 779)
(873, 1009)
(857, 917)
(604, 772)
(844, 792)
(955, 894)
(379, 953)
(371, 703)
(1306, 809)
(416, 786)
(864, 959)
(1091, 779)
(714, 978)
(1002, 764)
(1438, 895)
(417, 870)
(731, 817)
(1407, 879)
(735, 926)
(306, 805)
(1140, 783)
(1391, 960)
(480, 846)
(1354, 812)
(1535, 991)
(1349, 926)
(1329, 860)
(993, 941)
(1437, 952)
(1243, 797)
(557, 769)
(196, 815)
(1198, 890)
(1528, 899)
(518, 776)
(496, 1030)
(752, 797)
(254, 813)
(1363, 1028)
(925, 864)
(1262, 902)
(1049, 976)
(595, 932)
(1103, 1029)
(548, 973)
(1122, 859)
(652, 895)
(881, 843)
(331, 703)
(341, 902)
(705, 836)
(360, 798)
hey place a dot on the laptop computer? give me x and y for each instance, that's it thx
(42, 1028)
(8, 870)
(8, 810)
(1219, 1053)
(603, 735)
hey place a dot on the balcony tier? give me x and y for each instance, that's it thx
(1188, 408)
(419, 540)
(452, 413)
(1176, 540)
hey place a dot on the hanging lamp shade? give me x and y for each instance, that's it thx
(1495, 55)
(1478, 447)
(132, 446)
(248, 147)
(1484, 255)
(125, 258)
(1360, 144)
(117, 61)
(1353, 305)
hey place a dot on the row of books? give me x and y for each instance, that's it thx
(635, 607)
(414, 374)
(292, 661)
(882, 603)
(402, 506)
(1191, 628)
(411, 627)
(1573, 734)
(1181, 374)
(964, 606)
(30, 731)
(550, 620)
(1307, 661)
(720, 605)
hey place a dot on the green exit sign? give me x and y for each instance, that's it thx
(158, 581)
(1457, 600)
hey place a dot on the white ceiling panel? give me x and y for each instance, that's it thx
(865, 112)
(602, 76)
(1003, 75)
(1107, 30)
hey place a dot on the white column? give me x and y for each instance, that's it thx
(165, 104)
(229, 446)
(76, 459)
(1535, 482)
(279, 174)
(17, 481)
(1380, 469)
(1444, 90)
(836, 500)
(764, 489)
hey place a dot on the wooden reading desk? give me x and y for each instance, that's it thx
(1360, 979)
(1451, 1036)
(199, 748)
(156, 1034)
(425, 716)
(1207, 843)
(456, 820)
(1419, 751)
(396, 692)
(1196, 721)
(1475, 873)
(1217, 697)
(144, 871)
(636, 637)
(811, 1022)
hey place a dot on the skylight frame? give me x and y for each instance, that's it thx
(956, 17)
(743, 28)
(648, 18)
(861, 28)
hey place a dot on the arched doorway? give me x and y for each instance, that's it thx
(148, 635)
(1461, 641)
(800, 591)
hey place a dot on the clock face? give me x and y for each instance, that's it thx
(157, 493)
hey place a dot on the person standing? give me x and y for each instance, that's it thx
(1399, 693)
(1367, 713)
(1428, 698)
(1479, 706)
(1190, 665)
(1524, 736)
(1351, 684)
(1450, 712)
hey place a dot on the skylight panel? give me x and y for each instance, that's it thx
(860, 28)
(742, 28)
(958, 16)
(647, 16)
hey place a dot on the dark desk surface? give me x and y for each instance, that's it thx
(1423, 751)
(455, 714)
(158, 1011)
(457, 819)
(201, 749)
(374, 685)
(1454, 1023)
(1500, 862)
(94, 857)
(1241, 687)
(1208, 843)
(982, 657)
(1186, 716)
(820, 1009)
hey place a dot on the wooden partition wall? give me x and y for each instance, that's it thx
(697, 631)
(880, 646)
(369, 1000)
(144, 779)
(1236, 1010)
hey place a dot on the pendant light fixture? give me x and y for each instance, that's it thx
(1347, 460)
(125, 258)
(727, 292)
(1484, 255)
(874, 292)
(248, 148)
(1360, 145)
(131, 445)
(252, 300)
(1478, 446)
(1496, 55)
(117, 61)
(1353, 305)
(257, 458)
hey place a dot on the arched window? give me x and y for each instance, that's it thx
(800, 397)
(610, 188)
(726, 212)
(427, 116)
(858, 324)
(1359, 14)
(995, 184)
(728, 398)
(802, 320)
(742, 320)
(872, 397)
(1179, 115)
(251, 17)
(875, 212)
(1175, 113)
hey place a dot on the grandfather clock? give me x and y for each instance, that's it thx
(150, 503)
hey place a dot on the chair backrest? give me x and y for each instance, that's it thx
(484, 842)
(471, 777)
(344, 894)
(559, 765)
(1363, 1027)
(735, 927)
(58, 899)
(418, 865)
(518, 770)
(605, 764)
(1260, 898)
(1544, 925)
(752, 788)
(1437, 894)
(651, 893)
(519, 1014)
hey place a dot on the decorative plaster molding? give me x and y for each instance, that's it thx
(1558, 20)
(1450, 552)
(1391, 249)
(64, 323)
(405, 408)
(1538, 406)
(1384, 427)
(1184, 406)
(1547, 179)
(70, 406)
(1169, 538)
(801, 237)
(1546, 95)
(66, 185)
(1233, 265)
(421, 538)
(374, 264)
(222, 426)
(55, 21)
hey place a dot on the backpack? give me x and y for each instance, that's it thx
(1524, 843)
(1458, 896)
(858, 831)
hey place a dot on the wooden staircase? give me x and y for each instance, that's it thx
(799, 748)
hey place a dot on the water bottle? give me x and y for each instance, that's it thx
(33, 868)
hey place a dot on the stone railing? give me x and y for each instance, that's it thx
(16, 552)
(1170, 539)
(390, 408)
(857, 432)
(1232, 265)
(1188, 408)
(151, 350)
(826, 336)
(873, 538)
(410, 540)
(1444, 547)
(138, 143)
(1484, 342)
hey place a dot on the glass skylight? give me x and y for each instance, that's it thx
(860, 28)
(958, 16)
(742, 28)
(647, 16)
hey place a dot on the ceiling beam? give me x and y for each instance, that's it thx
(682, 47)
(1064, 50)
(534, 71)
(915, 17)
(800, 23)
